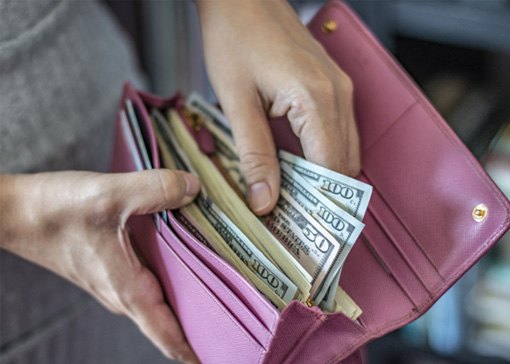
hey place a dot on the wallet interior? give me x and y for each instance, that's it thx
(420, 234)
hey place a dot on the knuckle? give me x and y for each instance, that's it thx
(115, 307)
(172, 184)
(323, 88)
(354, 169)
(256, 165)
(173, 353)
(103, 206)
(141, 290)
(345, 84)
(128, 300)
(175, 347)
(353, 164)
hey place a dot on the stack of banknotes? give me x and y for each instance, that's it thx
(294, 253)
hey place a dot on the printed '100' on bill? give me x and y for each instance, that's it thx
(347, 192)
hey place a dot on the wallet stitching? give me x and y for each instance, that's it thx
(189, 236)
(202, 285)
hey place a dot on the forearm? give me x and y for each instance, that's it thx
(26, 217)
(18, 222)
(246, 18)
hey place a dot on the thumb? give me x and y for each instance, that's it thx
(257, 153)
(145, 192)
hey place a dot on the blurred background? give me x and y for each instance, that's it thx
(458, 51)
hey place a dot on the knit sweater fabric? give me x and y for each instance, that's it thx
(62, 65)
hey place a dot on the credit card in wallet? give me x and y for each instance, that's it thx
(142, 148)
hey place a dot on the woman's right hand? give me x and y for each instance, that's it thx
(74, 223)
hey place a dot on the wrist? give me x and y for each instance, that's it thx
(9, 231)
(27, 227)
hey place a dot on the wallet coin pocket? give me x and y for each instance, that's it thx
(249, 295)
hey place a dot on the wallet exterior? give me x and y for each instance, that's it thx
(420, 235)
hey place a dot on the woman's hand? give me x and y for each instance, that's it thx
(264, 63)
(73, 223)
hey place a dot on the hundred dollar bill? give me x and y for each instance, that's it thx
(348, 193)
(308, 241)
(345, 304)
(204, 219)
(247, 252)
(231, 163)
(215, 117)
(345, 228)
(337, 221)
(217, 124)
(218, 190)
(173, 157)
(328, 301)
(215, 229)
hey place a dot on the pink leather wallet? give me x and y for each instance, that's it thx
(434, 212)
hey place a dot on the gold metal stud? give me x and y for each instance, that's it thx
(329, 26)
(480, 212)
(194, 120)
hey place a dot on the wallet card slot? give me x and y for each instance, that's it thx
(383, 249)
(218, 288)
(372, 285)
(145, 124)
(429, 203)
(259, 306)
(402, 239)
(208, 323)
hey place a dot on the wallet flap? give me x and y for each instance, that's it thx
(420, 234)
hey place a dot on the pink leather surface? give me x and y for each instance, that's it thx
(259, 306)
(419, 226)
(215, 330)
(204, 303)
(419, 236)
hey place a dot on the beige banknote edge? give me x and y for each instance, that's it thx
(194, 215)
(236, 210)
(199, 221)
(346, 305)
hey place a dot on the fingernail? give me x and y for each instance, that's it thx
(259, 196)
(192, 184)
